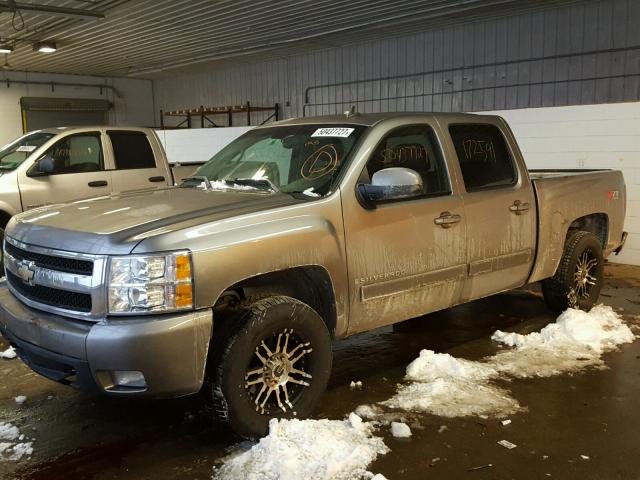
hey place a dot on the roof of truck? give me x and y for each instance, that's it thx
(84, 128)
(369, 119)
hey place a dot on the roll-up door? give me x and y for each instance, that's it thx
(43, 112)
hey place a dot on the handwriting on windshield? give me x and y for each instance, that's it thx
(321, 162)
(479, 150)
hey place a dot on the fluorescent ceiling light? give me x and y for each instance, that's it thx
(45, 47)
(5, 48)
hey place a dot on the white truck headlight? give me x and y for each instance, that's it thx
(150, 283)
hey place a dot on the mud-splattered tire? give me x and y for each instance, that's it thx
(293, 365)
(579, 277)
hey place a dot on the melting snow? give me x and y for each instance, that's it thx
(10, 449)
(400, 430)
(309, 449)
(8, 354)
(576, 340)
(368, 411)
(220, 185)
(451, 387)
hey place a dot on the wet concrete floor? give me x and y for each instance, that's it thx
(594, 413)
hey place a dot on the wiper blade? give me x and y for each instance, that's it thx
(256, 182)
(201, 178)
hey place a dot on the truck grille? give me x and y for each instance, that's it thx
(57, 281)
(54, 297)
(70, 265)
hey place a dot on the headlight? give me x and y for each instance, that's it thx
(150, 283)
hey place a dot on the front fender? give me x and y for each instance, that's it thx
(229, 251)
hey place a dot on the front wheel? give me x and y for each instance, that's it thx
(578, 280)
(273, 362)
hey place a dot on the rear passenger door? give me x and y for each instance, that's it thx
(134, 161)
(499, 204)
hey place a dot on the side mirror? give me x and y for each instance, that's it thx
(390, 184)
(42, 167)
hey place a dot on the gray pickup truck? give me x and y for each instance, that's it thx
(235, 282)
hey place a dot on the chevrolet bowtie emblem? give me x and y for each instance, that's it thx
(26, 271)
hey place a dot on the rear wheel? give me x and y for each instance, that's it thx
(578, 280)
(273, 361)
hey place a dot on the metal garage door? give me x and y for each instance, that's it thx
(43, 112)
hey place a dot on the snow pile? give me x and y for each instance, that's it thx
(309, 449)
(12, 447)
(576, 340)
(20, 399)
(8, 354)
(430, 366)
(451, 387)
(8, 431)
(400, 430)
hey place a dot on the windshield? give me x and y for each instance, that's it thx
(16, 152)
(292, 159)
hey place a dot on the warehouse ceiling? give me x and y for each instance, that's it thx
(145, 38)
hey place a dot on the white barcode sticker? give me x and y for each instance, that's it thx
(342, 132)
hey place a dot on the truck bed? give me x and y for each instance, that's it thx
(566, 195)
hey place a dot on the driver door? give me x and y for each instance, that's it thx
(78, 172)
(402, 260)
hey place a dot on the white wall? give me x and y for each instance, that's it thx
(197, 145)
(587, 136)
(134, 106)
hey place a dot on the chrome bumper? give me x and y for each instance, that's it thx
(169, 350)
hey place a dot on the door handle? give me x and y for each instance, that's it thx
(446, 219)
(98, 183)
(519, 207)
(156, 179)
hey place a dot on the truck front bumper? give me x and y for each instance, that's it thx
(169, 352)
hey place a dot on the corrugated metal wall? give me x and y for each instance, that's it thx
(586, 53)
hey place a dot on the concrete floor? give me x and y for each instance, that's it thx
(594, 413)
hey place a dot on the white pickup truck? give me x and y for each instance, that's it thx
(58, 165)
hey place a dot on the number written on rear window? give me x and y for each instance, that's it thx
(484, 158)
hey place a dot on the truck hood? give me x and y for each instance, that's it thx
(115, 224)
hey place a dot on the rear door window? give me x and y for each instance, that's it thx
(131, 150)
(484, 157)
